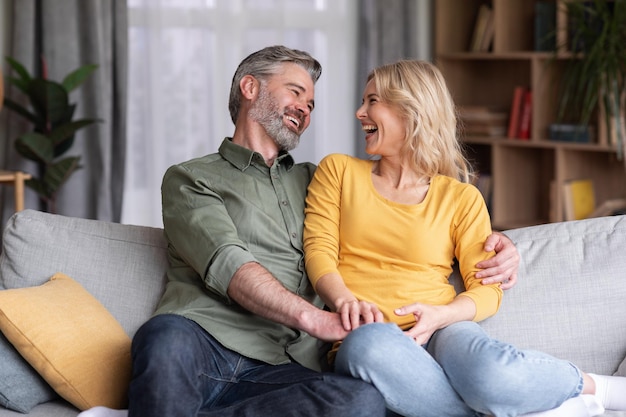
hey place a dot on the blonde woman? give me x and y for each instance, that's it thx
(381, 237)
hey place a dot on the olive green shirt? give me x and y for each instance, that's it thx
(224, 210)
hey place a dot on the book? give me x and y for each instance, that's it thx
(570, 132)
(514, 113)
(525, 121)
(482, 17)
(482, 120)
(487, 37)
(579, 200)
(545, 26)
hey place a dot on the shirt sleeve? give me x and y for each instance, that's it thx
(199, 230)
(472, 226)
(321, 224)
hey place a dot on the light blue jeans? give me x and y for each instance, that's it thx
(461, 372)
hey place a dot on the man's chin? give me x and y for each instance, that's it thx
(288, 143)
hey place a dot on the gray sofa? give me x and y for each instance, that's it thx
(570, 300)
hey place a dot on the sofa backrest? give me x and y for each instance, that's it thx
(570, 300)
(123, 266)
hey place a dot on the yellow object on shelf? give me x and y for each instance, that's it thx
(579, 199)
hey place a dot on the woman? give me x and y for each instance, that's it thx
(381, 237)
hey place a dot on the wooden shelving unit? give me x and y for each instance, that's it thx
(526, 174)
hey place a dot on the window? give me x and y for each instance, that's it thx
(182, 56)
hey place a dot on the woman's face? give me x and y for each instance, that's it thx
(384, 128)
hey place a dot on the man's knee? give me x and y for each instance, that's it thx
(162, 338)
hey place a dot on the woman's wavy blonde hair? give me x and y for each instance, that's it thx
(418, 90)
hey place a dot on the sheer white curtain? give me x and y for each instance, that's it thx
(182, 56)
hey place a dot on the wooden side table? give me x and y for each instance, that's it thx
(17, 178)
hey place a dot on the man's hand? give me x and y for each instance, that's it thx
(254, 288)
(503, 266)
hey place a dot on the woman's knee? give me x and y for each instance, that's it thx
(368, 346)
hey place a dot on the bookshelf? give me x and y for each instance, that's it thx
(526, 175)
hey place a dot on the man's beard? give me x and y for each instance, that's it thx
(265, 112)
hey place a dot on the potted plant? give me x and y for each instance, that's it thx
(51, 113)
(594, 77)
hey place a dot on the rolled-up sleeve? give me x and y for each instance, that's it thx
(200, 229)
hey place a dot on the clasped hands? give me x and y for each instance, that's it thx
(356, 313)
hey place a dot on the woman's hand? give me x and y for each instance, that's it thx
(430, 318)
(355, 313)
(427, 318)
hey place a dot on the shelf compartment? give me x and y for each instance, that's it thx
(521, 185)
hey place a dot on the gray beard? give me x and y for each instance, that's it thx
(266, 113)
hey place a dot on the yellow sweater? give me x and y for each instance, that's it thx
(394, 254)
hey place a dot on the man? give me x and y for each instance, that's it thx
(238, 330)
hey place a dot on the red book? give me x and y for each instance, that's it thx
(526, 117)
(516, 109)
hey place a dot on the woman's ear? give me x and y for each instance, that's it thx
(249, 86)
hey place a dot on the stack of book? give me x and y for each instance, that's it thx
(483, 121)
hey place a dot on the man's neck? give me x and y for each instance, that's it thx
(257, 140)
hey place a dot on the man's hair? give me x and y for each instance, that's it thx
(266, 62)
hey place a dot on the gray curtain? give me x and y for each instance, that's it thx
(389, 30)
(69, 34)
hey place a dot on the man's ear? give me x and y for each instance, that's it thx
(249, 86)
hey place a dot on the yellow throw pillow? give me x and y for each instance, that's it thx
(74, 343)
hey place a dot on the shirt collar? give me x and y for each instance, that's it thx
(242, 157)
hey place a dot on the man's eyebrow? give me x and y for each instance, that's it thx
(302, 89)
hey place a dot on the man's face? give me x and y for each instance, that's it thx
(284, 105)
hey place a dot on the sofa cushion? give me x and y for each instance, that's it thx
(123, 266)
(570, 297)
(21, 387)
(70, 339)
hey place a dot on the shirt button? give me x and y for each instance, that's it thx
(284, 202)
(293, 235)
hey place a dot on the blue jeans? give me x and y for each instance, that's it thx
(460, 372)
(179, 370)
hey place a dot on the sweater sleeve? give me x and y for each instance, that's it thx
(322, 215)
(471, 228)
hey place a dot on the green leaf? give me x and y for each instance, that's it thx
(21, 84)
(66, 131)
(50, 101)
(76, 77)
(19, 109)
(35, 146)
(19, 69)
(58, 173)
